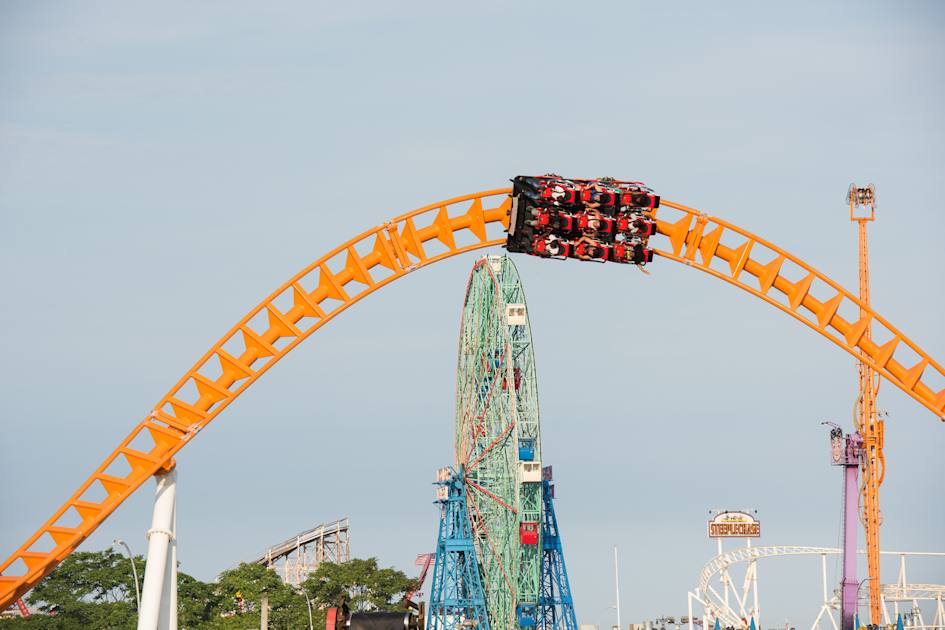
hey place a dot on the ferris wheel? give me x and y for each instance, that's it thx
(498, 441)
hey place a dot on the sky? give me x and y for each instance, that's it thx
(164, 167)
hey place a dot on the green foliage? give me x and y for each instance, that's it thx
(88, 590)
(366, 586)
(252, 582)
(197, 601)
(87, 577)
(95, 591)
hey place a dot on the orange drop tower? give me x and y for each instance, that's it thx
(862, 202)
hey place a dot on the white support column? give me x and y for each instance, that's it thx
(754, 588)
(697, 595)
(160, 538)
(168, 617)
(754, 580)
(724, 577)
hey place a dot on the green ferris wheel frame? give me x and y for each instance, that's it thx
(498, 439)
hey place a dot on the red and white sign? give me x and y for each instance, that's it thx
(424, 558)
(734, 525)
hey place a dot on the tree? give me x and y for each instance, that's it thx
(196, 601)
(90, 589)
(367, 586)
(239, 594)
(95, 591)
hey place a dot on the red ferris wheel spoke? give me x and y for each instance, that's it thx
(475, 425)
(495, 442)
(492, 549)
(492, 496)
(482, 415)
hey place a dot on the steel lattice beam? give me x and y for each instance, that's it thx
(302, 554)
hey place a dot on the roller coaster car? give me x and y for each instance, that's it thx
(548, 189)
(559, 191)
(553, 217)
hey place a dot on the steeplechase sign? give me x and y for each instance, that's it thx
(734, 525)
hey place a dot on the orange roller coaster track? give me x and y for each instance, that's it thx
(377, 257)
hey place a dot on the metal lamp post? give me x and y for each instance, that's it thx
(134, 571)
(308, 603)
(617, 586)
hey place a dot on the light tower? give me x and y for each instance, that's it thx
(862, 200)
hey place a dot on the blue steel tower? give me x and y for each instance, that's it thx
(555, 605)
(457, 601)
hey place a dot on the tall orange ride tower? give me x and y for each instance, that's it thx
(862, 202)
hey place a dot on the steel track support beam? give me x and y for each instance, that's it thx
(159, 593)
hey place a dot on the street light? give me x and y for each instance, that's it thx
(134, 571)
(617, 586)
(308, 603)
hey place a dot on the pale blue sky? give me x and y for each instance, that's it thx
(163, 167)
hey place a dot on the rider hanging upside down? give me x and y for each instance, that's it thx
(626, 253)
(562, 193)
(597, 195)
(637, 226)
(563, 222)
(623, 252)
(587, 248)
(550, 246)
(539, 218)
(597, 225)
(640, 200)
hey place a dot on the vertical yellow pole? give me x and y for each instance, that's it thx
(870, 428)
